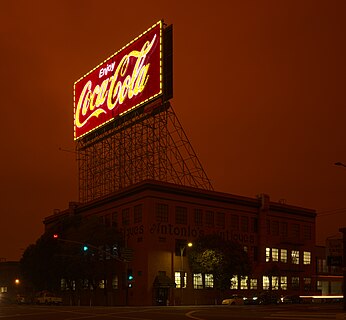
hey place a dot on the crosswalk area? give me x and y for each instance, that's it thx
(306, 316)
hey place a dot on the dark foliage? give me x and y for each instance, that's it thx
(49, 260)
(222, 258)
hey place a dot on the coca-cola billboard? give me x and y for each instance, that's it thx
(129, 78)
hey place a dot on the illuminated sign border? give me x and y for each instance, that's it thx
(154, 96)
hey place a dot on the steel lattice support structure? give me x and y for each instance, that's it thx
(148, 143)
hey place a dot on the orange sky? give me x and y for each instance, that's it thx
(259, 87)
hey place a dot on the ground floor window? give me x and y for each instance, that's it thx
(266, 283)
(244, 283)
(115, 282)
(197, 281)
(208, 280)
(307, 284)
(234, 283)
(275, 283)
(295, 283)
(283, 282)
(253, 284)
(180, 279)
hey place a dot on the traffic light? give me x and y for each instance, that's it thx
(85, 248)
(55, 236)
(129, 278)
(129, 275)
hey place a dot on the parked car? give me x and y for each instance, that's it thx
(268, 297)
(23, 299)
(234, 300)
(251, 299)
(265, 297)
(45, 297)
(293, 298)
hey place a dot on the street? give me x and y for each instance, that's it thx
(295, 312)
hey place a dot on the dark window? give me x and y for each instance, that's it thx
(268, 226)
(295, 231)
(181, 215)
(283, 229)
(126, 217)
(137, 213)
(254, 225)
(108, 220)
(198, 217)
(275, 228)
(220, 219)
(115, 219)
(234, 222)
(307, 234)
(209, 218)
(244, 224)
(255, 253)
(161, 212)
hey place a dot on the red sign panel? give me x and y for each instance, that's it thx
(124, 81)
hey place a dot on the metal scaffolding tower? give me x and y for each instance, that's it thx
(148, 143)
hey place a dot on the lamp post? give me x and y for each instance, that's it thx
(182, 278)
(343, 230)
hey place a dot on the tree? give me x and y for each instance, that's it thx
(222, 258)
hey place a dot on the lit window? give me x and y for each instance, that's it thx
(63, 285)
(267, 254)
(253, 284)
(102, 284)
(266, 283)
(177, 279)
(275, 283)
(244, 283)
(275, 254)
(234, 283)
(3, 289)
(307, 257)
(197, 281)
(283, 255)
(283, 283)
(208, 280)
(295, 256)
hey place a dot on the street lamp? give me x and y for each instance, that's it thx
(182, 279)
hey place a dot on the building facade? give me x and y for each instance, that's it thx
(158, 219)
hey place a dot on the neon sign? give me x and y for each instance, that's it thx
(129, 78)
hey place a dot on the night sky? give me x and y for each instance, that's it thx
(259, 87)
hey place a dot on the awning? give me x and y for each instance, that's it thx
(163, 281)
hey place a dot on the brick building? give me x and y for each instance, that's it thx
(157, 220)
